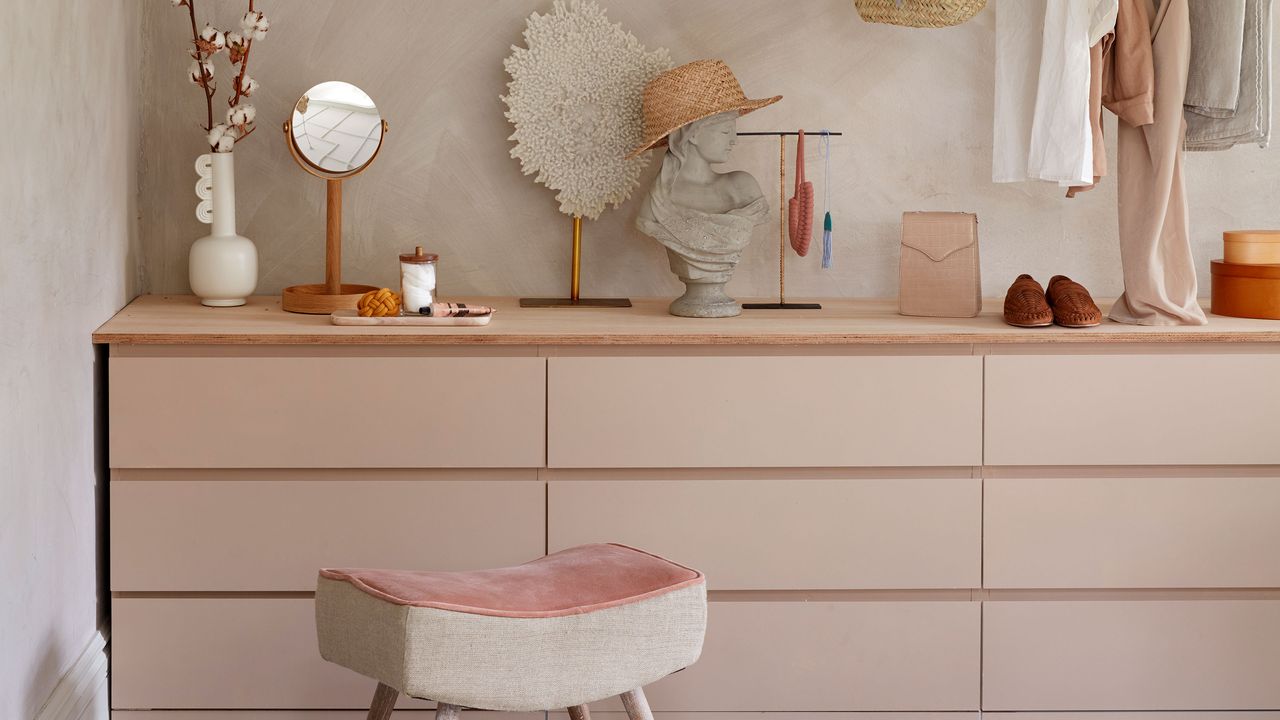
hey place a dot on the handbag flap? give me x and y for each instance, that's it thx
(939, 234)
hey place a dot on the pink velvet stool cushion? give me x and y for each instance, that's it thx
(570, 582)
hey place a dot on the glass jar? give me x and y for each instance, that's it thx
(417, 281)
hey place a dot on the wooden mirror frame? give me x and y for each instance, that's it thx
(332, 294)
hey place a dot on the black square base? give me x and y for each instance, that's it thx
(781, 306)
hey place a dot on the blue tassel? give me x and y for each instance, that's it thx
(826, 241)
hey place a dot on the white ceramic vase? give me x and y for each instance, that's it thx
(223, 265)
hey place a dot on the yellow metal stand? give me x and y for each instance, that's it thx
(575, 283)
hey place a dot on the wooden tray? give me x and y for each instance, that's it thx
(351, 317)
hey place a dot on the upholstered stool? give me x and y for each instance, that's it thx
(558, 632)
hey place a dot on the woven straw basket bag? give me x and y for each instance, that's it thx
(919, 13)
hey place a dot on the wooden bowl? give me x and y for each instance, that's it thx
(315, 299)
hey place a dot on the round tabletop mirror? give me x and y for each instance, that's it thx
(334, 132)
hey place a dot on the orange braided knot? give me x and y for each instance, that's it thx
(378, 303)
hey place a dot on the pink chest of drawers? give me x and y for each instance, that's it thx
(886, 510)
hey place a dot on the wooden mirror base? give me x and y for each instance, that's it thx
(316, 300)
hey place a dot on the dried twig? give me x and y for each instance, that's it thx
(200, 59)
(244, 67)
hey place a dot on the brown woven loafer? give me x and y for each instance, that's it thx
(1072, 305)
(1025, 304)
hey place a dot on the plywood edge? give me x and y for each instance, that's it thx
(180, 320)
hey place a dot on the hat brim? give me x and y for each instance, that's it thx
(743, 108)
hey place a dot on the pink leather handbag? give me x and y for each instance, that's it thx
(938, 271)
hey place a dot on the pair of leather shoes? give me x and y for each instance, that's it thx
(1066, 303)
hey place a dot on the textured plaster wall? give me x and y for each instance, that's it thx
(915, 107)
(68, 188)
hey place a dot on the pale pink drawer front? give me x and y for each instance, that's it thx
(252, 653)
(774, 411)
(561, 715)
(1192, 715)
(1131, 655)
(310, 412)
(263, 535)
(400, 714)
(1133, 409)
(668, 715)
(830, 656)
(1132, 532)
(261, 653)
(894, 533)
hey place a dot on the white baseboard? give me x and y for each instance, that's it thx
(82, 692)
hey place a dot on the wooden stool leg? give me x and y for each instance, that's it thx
(637, 706)
(445, 711)
(384, 701)
(579, 712)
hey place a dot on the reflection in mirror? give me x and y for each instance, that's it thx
(336, 127)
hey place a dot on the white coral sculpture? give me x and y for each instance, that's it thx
(575, 101)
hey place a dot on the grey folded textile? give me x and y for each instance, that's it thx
(1217, 128)
(1217, 47)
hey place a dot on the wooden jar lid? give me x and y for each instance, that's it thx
(417, 256)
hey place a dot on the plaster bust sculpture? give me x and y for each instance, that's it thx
(704, 218)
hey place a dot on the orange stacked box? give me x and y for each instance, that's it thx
(1246, 281)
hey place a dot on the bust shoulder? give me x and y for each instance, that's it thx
(744, 187)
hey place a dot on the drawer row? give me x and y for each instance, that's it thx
(251, 531)
(694, 411)
(401, 714)
(912, 656)
(620, 715)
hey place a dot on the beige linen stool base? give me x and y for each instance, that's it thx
(561, 631)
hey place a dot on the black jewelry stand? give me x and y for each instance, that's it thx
(782, 303)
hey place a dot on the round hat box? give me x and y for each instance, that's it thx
(1247, 291)
(1251, 247)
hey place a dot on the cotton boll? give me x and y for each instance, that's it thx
(241, 115)
(214, 37)
(248, 85)
(216, 133)
(255, 25)
(261, 26)
(225, 144)
(236, 47)
(195, 70)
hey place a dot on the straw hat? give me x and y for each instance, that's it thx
(919, 13)
(691, 92)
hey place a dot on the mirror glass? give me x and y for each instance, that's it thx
(336, 128)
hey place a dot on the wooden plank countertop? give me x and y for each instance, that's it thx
(181, 320)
